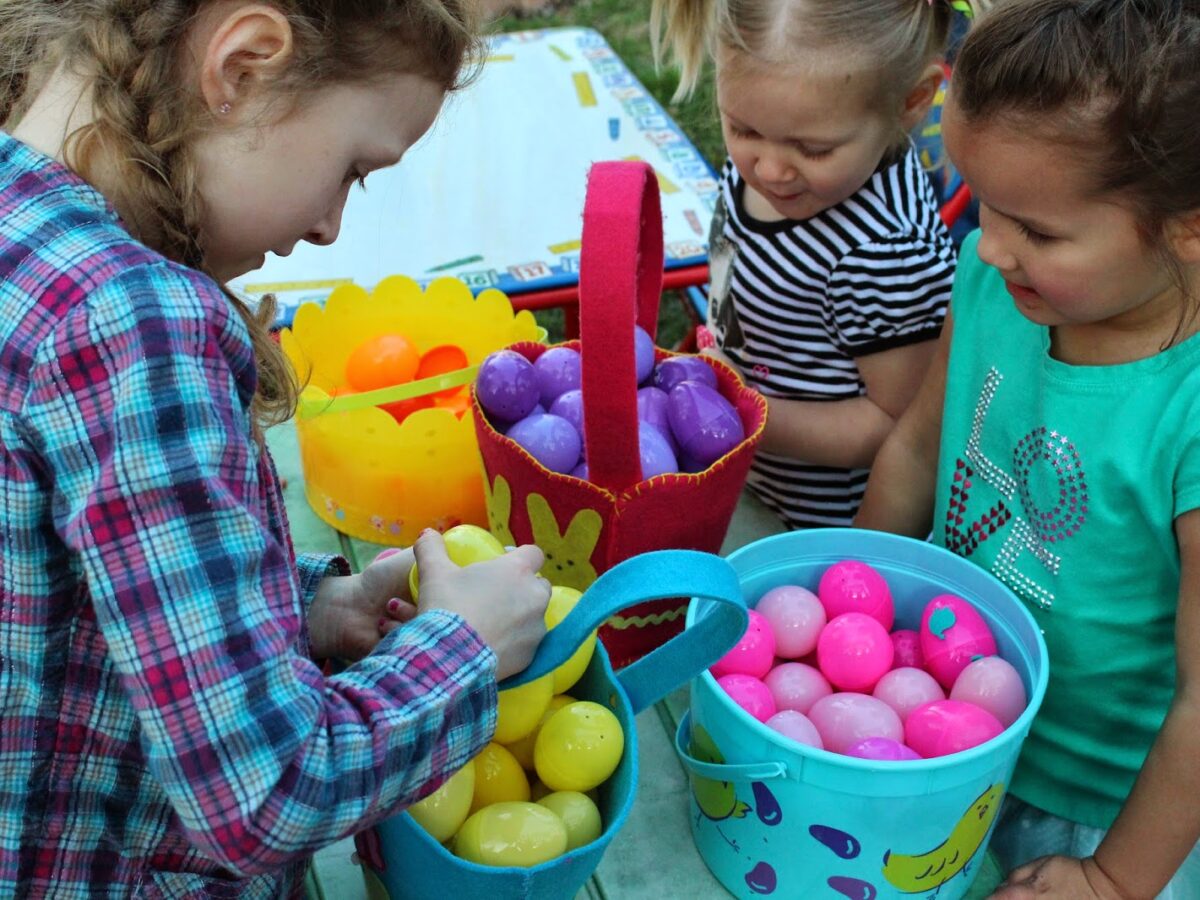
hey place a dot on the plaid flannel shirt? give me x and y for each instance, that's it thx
(163, 732)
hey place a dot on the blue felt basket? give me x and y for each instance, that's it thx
(408, 863)
(772, 816)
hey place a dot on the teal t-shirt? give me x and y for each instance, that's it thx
(1063, 481)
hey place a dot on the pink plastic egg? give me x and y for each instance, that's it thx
(907, 644)
(796, 617)
(882, 749)
(796, 726)
(845, 719)
(750, 694)
(949, 726)
(753, 654)
(854, 651)
(853, 586)
(796, 686)
(993, 684)
(906, 689)
(952, 634)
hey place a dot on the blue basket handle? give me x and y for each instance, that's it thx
(759, 771)
(653, 576)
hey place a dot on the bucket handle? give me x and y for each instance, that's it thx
(757, 771)
(653, 576)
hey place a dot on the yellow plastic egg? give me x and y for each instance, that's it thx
(511, 834)
(465, 544)
(522, 748)
(579, 747)
(520, 709)
(579, 814)
(443, 812)
(562, 601)
(498, 777)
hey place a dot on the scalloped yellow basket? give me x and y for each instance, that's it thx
(365, 474)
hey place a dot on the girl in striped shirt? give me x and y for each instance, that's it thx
(830, 267)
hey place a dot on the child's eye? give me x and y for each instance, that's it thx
(738, 131)
(1034, 237)
(359, 178)
(811, 153)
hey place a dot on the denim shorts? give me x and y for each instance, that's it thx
(1024, 833)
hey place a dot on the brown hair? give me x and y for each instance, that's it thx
(144, 123)
(895, 38)
(1115, 78)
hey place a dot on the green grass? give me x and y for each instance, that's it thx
(625, 24)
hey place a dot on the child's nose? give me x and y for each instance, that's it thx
(992, 247)
(326, 231)
(775, 168)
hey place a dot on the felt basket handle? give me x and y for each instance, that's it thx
(620, 281)
(652, 576)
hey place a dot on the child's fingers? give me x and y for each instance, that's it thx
(430, 552)
(529, 556)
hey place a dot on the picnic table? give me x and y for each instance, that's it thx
(653, 856)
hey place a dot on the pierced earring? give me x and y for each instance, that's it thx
(225, 108)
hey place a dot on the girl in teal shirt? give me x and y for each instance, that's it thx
(1056, 441)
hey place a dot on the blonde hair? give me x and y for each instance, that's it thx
(145, 120)
(898, 39)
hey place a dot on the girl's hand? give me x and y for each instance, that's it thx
(348, 615)
(1059, 876)
(503, 599)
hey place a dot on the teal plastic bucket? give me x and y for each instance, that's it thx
(771, 816)
(403, 861)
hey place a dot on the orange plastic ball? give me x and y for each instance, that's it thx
(382, 361)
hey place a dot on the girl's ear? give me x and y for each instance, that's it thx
(915, 106)
(240, 52)
(1183, 237)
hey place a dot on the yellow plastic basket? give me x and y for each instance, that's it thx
(364, 473)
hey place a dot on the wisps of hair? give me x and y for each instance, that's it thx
(145, 120)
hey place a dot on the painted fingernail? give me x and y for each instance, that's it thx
(393, 605)
(381, 624)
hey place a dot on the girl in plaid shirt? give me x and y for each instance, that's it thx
(165, 728)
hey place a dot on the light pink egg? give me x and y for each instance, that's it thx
(879, 748)
(796, 617)
(796, 686)
(845, 719)
(853, 586)
(995, 685)
(754, 652)
(854, 651)
(796, 726)
(906, 689)
(949, 726)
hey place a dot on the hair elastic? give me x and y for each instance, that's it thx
(225, 108)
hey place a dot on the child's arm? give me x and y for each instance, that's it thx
(848, 433)
(1160, 822)
(900, 491)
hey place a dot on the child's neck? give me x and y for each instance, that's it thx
(759, 207)
(1113, 343)
(62, 105)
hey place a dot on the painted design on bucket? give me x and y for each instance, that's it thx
(928, 871)
(762, 879)
(716, 799)
(854, 888)
(769, 811)
(840, 842)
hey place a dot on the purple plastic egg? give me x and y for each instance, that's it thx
(656, 454)
(652, 407)
(551, 440)
(569, 405)
(643, 353)
(688, 464)
(507, 386)
(676, 369)
(881, 748)
(705, 423)
(581, 471)
(559, 369)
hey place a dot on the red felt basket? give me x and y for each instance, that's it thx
(586, 527)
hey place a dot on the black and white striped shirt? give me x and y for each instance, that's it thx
(795, 303)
